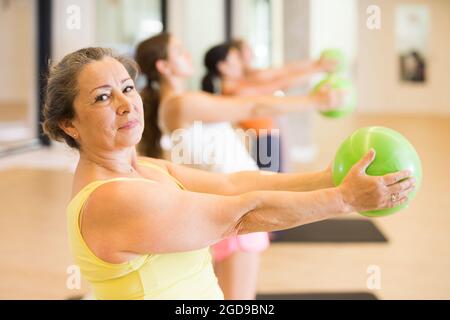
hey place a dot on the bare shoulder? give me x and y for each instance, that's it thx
(182, 110)
(170, 112)
(117, 198)
(231, 87)
(184, 100)
(109, 212)
(114, 203)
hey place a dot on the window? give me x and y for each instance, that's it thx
(259, 32)
(252, 21)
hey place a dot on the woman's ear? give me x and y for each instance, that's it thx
(162, 67)
(222, 67)
(68, 128)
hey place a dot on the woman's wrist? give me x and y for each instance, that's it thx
(318, 66)
(344, 199)
(326, 178)
(315, 100)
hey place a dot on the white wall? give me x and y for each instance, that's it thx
(333, 24)
(379, 87)
(199, 24)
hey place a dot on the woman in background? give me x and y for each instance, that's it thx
(229, 73)
(269, 80)
(237, 258)
(200, 125)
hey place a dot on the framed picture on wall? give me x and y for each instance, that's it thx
(412, 32)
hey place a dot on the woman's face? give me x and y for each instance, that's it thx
(180, 61)
(232, 66)
(108, 109)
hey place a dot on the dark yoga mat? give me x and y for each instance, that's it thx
(337, 230)
(318, 296)
(302, 296)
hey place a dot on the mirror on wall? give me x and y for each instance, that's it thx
(122, 24)
(412, 31)
(18, 124)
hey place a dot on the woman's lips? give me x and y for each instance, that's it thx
(130, 124)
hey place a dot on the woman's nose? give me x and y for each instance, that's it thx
(124, 104)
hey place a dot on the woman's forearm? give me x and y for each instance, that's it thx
(269, 74)
(243, 182)
(302, 65)
(265, 106)
(273, 211)
(299, 73)
(299, 76)
(294, 78)
(276, 72)
(191, 107)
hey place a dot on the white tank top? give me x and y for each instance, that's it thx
(215, 147)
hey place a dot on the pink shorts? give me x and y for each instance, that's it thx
(252, 242)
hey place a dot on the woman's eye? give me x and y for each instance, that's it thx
(128, 89)
(102, 97)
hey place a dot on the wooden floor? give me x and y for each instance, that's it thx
(414, 264)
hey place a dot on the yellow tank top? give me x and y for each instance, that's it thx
(174, 276)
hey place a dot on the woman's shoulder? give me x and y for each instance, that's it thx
(108, 209)
(230, 87)
(184, 99)
(120, 190)
(114, 199)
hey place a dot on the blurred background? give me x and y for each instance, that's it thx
(398, 52)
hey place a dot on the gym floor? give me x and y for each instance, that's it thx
(35, 188)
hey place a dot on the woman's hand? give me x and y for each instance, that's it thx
(326, 65)
(326, 98)
(362, 192)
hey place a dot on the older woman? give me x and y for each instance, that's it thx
(140, 228)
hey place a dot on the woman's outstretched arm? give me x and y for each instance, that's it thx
(183, 110)
(267, 81)
(245, 181)
(144, 217)
(297, 67)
